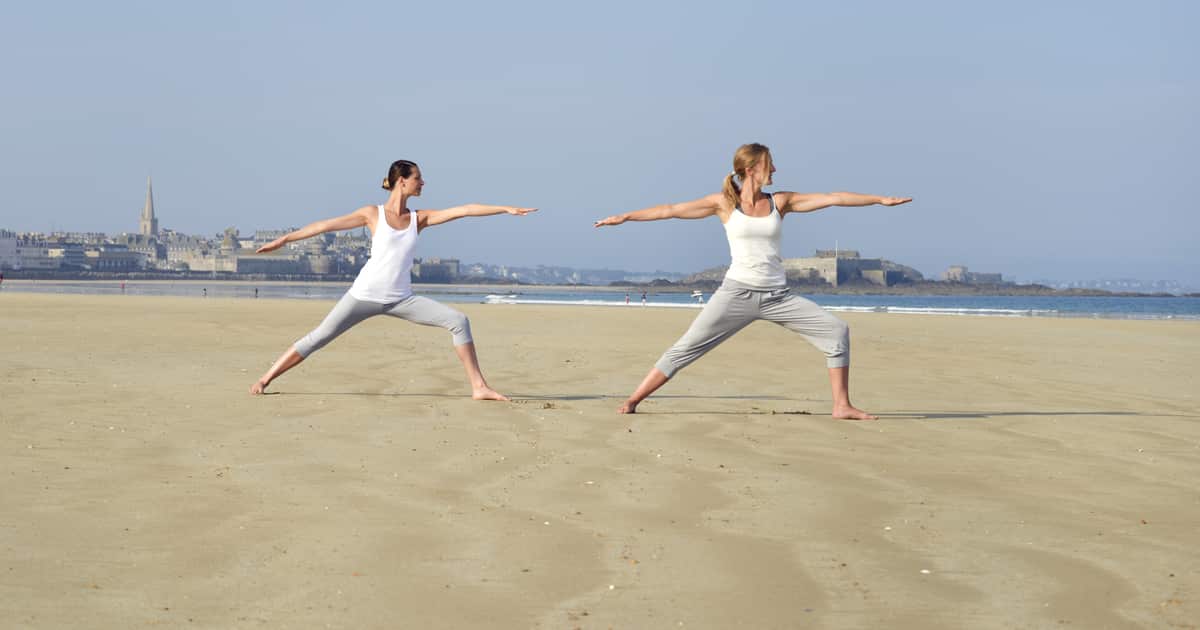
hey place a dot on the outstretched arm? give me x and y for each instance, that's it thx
(808, 202)
(355, 219)
(427, 218)
(698, 209)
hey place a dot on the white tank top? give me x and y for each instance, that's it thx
(754, 248)
(387, 276)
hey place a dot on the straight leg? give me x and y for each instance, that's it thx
(344, 315)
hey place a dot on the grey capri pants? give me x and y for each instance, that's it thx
(416, 309)
(735, 305)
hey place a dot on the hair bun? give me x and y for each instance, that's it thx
(386, 184)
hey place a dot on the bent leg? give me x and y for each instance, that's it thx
(426, 312)
(830, 335)
(827, 333)
(422, 310)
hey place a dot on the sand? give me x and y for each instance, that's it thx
(1025, 473)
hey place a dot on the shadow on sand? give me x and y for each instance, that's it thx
(516, 397)
(979, 415)
(893, 415)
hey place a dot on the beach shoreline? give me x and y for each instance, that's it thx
(923, 289)
(1143, 308)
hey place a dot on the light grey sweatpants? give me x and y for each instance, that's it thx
(414, 308)
(734, 306)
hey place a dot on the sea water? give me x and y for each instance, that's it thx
(1185, 308)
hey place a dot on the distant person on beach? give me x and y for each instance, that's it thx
(643, 298)
(383, 287)
(755, 285)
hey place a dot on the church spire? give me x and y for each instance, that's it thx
(149, 223)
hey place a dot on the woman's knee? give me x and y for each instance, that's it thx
(460, 328)
(837, 343)
(309, 344)
(458, 322)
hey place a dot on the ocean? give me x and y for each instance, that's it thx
(1160, 308)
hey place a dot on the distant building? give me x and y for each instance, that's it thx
(959, 273)
(262, 237)
(181, 250)
(956, 273)
(147, 242)
(317, 245)
(34, 255)
(435, 269)
(831, 267)
(271, 263)
(8, 250)
(80, 238)
(69, 255)
(837, 267)
(149, 223)
(228, 256)
(148, 246)
(114, 258)
(836, 253)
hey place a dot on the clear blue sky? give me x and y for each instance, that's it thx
(1050, 140)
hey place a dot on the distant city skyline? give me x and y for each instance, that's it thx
(1039, 140)
(148, 228)
(1103, 283)
(1065, 280)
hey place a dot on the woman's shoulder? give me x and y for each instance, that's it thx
(785, 200)
(368, 213)
(721, 203)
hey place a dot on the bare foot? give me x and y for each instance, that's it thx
(259, 387)
(852, 413)
(628, 407)
(487, 393)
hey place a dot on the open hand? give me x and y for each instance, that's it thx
(894, 201)
(520, 211)
(616, 219)
(272, 246)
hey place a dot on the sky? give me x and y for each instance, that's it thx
(1050, 140)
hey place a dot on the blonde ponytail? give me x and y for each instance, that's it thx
(731, 191)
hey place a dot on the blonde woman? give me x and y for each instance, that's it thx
(383, 286)
(755, 285)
